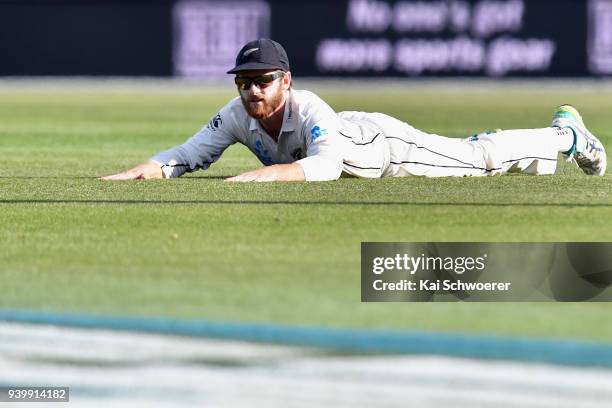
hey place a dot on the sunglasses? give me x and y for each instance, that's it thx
(261, 81)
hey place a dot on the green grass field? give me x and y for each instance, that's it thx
(198, 247)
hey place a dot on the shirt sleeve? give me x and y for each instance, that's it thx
(202, 149)
(323, 159)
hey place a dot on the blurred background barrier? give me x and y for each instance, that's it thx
(193, 38)
(122, 369)
(340, 340)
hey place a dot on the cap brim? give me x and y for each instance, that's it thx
(252, 66)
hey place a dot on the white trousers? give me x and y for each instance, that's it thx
(416, 153)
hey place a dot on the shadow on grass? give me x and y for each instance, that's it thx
(98, 177)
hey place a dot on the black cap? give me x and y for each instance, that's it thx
(261, 54)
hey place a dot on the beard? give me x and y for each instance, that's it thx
(262, 106)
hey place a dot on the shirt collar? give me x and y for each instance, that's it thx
(254, 124)
(290, 113)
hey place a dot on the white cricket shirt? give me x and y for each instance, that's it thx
(324, 143)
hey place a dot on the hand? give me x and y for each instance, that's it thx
(277, 172)
(259, 175)
(144, 171)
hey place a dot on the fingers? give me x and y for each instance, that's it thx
(145, 171)
(244, 177)
(266, 177)
(265, 174)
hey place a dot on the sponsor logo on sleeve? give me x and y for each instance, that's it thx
(215, 122)
(317, 132)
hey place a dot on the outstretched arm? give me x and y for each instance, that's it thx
(277, 172)
(198, 152)
(144, 171)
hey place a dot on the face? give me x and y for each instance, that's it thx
(262, 101)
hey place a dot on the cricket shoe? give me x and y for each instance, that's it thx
(587, 151)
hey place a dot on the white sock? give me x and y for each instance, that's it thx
(566, 139)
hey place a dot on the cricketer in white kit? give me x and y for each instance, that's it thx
(297, 136)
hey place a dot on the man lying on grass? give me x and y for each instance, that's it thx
(298, 137)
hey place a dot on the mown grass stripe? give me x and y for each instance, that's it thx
(296, 202)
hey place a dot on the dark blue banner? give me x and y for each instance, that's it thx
(363, 38)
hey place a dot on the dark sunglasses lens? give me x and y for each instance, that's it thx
(245, 82)
(264, 79)
(242, 82)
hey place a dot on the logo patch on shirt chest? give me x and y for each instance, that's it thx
(297, 154)
(262, 153)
